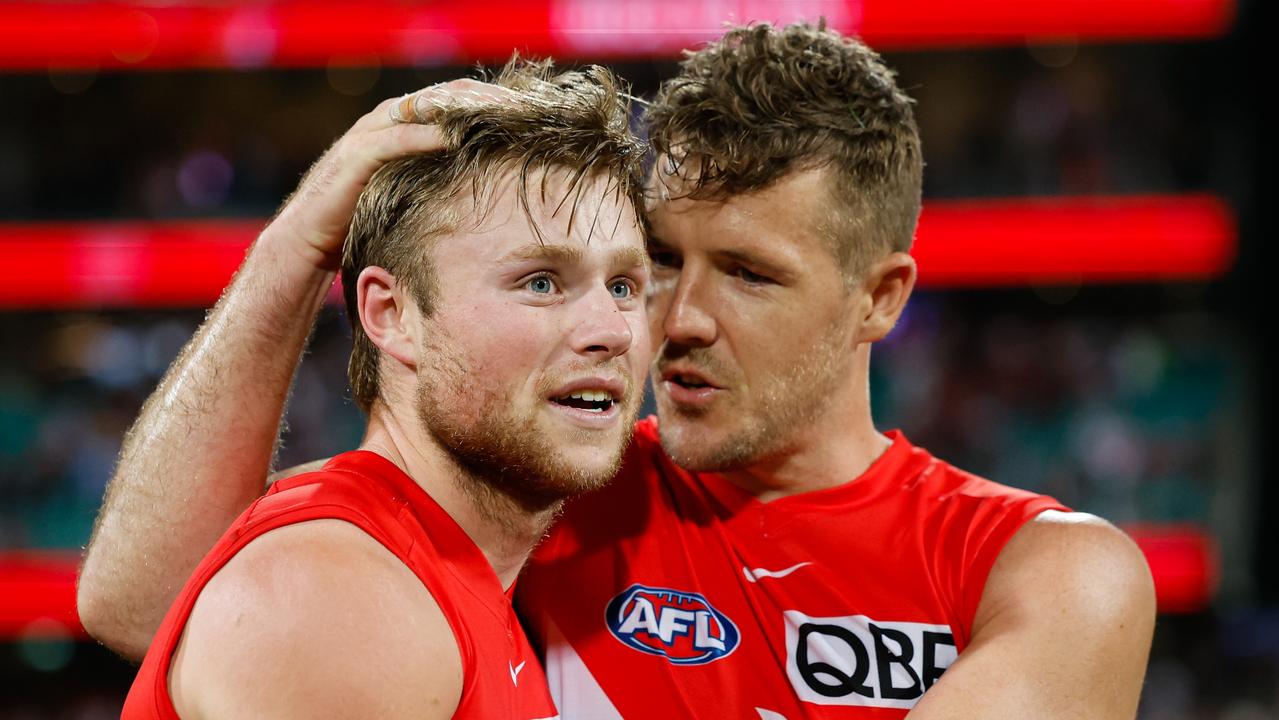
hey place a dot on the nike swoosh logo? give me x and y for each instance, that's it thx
(757, 574)
(515, 671)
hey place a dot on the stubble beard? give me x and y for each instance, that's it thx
(508, 465)
(782, 408)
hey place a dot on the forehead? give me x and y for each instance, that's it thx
(784, 219)
(549, 211)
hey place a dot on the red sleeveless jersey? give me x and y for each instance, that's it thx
(501, 675)
(678, 595)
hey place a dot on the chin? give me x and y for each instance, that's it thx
(699, 444)
(583, 460)
(697, 424)
(596, 463)
(685, 439)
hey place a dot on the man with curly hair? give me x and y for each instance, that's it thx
(765, 551)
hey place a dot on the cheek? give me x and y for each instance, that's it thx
(764, 338)
(505, 344)
(782, 341)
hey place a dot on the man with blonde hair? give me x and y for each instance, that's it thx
(765, 551)
(378, 585)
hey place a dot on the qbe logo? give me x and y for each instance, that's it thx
(681, 626)
(854, 660)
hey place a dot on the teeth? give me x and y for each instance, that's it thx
(592, 395)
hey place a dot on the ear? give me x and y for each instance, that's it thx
(388, 314)
(887, 286)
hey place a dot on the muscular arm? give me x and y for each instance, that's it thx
(199, 451)
(1063, 629)
(198, 454)
(316, 620)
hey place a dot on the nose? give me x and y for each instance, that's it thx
(602, 330)
(684, 317)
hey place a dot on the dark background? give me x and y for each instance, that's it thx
(1142, 402)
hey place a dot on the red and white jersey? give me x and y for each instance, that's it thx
(677, 595)
(501, 675)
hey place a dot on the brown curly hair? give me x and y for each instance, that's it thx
(577, 121)
(763, 102)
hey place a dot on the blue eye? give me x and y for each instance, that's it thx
(541, 285)
(621, 289)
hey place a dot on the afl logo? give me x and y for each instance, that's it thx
(683, 627)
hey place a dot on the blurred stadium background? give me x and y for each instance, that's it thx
(1090, 325)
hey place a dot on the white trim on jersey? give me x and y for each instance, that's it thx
(575, 690)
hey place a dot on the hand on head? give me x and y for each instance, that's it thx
(421, 107)
(316, 217)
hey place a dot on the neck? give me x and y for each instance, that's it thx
(839, 445)
(505, 529)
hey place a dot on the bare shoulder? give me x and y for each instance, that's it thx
(1074, 559)
(1070, 605)
(316, 619)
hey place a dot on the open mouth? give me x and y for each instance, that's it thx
(599, 401)
(688, 381)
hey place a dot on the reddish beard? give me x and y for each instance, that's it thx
(508, 459)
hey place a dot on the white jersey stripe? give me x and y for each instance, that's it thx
(575, 690)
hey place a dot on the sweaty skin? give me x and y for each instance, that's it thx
(1065, 621)
(295, 593)
(223, 396)
(532, 304)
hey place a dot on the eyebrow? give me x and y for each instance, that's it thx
(554, 253)
(631, 256)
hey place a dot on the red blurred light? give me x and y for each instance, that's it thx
(120, 264)
(1045, 241)
(293, 33)
(1184, 562)
(961, 244)
(913, 24)
(37, 586)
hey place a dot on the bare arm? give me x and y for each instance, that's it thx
(180, 482)
(326, 623)
(1063, 629)
(199, 452)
